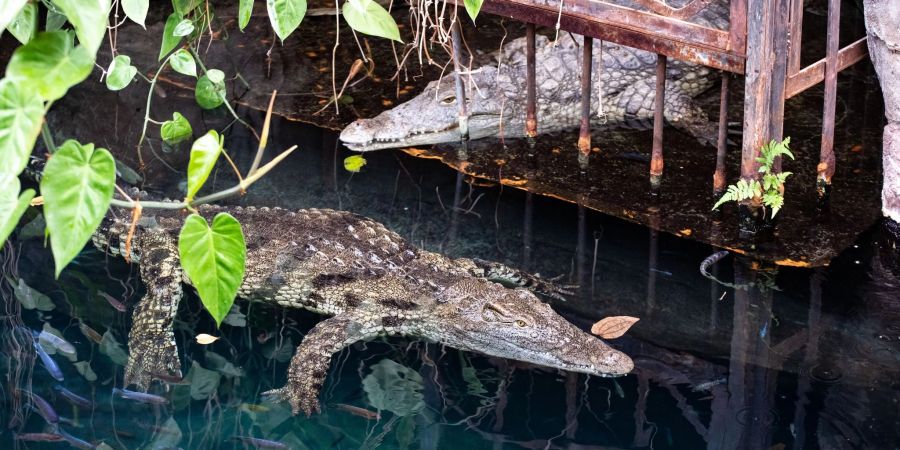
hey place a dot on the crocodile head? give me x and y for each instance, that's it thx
(513, 323)
(432, 116)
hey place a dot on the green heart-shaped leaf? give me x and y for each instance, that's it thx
(210, 90)
(120, 73)
(136, 10)
(183, 63)
(213, 259)
(169, 40)
(25, 24)
(51, 64)
(21, 112)
(204, 154)
(77, 186)
(369, 17)
(285, 16)
(176, 130)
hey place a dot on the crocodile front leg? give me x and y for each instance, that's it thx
(151, 342)
(313, 357)
(510, 277)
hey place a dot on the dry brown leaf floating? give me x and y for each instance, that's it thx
(205, 339)
(613, 327)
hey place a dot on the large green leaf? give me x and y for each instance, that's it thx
(210, 89)
(136, 10)
(204, 154)
(169, 40)
(369, 17)
(77, 186)
(51, 64)
(12, 205)
(21, 112)
(176, 130)
(25, 24)
(89, 18)
(213, 259)
(9, 9)
(120, 73)
(473, 7)
(183, 7)
(245, 10)
(285, 16)
(183, 63)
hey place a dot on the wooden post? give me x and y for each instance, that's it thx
(584, 136)
(530, 91)
(780, 63)
(826, 154)
(656, 159)
(460, 87)
(722, 144)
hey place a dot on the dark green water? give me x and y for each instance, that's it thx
(803, 359)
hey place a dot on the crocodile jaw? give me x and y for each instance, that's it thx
(365, 135)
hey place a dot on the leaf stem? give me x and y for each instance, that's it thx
(147, 109)
(47, 138)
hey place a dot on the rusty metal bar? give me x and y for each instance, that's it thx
(826, 154)
(722, 144)
(796, 35)
(460, 86)
(659, 103)
(530, 91)
(815, 73)
(587, 60)
(657, 34)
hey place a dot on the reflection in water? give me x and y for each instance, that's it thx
(811, 363)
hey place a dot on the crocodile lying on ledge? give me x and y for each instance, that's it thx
(496, 96)
(369, 279)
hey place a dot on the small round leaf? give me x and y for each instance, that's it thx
(209, 93)
(183, 28)
(183, 63)
(368, 17)
(204, 154)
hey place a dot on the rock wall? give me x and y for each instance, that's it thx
(883, 25)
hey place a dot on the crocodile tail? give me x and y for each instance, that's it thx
(152, 349)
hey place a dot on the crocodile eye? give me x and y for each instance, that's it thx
(449, 100)
(521, 323)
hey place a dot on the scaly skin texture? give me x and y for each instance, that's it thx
(370, 280)
(496, 94)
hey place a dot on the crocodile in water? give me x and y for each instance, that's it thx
(368, 279)
(496, 95)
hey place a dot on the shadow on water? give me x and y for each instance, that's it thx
(773, 358)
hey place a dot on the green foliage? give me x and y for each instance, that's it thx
(369, 17)
(50, 63)
(354, 163)
(89, 18)
(213, 258)
(12, 205)
(285, 16)
(169, 40)
(185, 7)
(204, 154)
(183, 28)
(771, 189)
(394, 387)
(136, 10)
(473, 7)
(183, 63)
(245, 10)
(210, 89)
(120, 73)
(9, 9)
(55, 20)
(25, 24)
(176, 130)
(21, 113)
(77, 186)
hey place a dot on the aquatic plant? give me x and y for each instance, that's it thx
(78, 182)
(771, 190)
